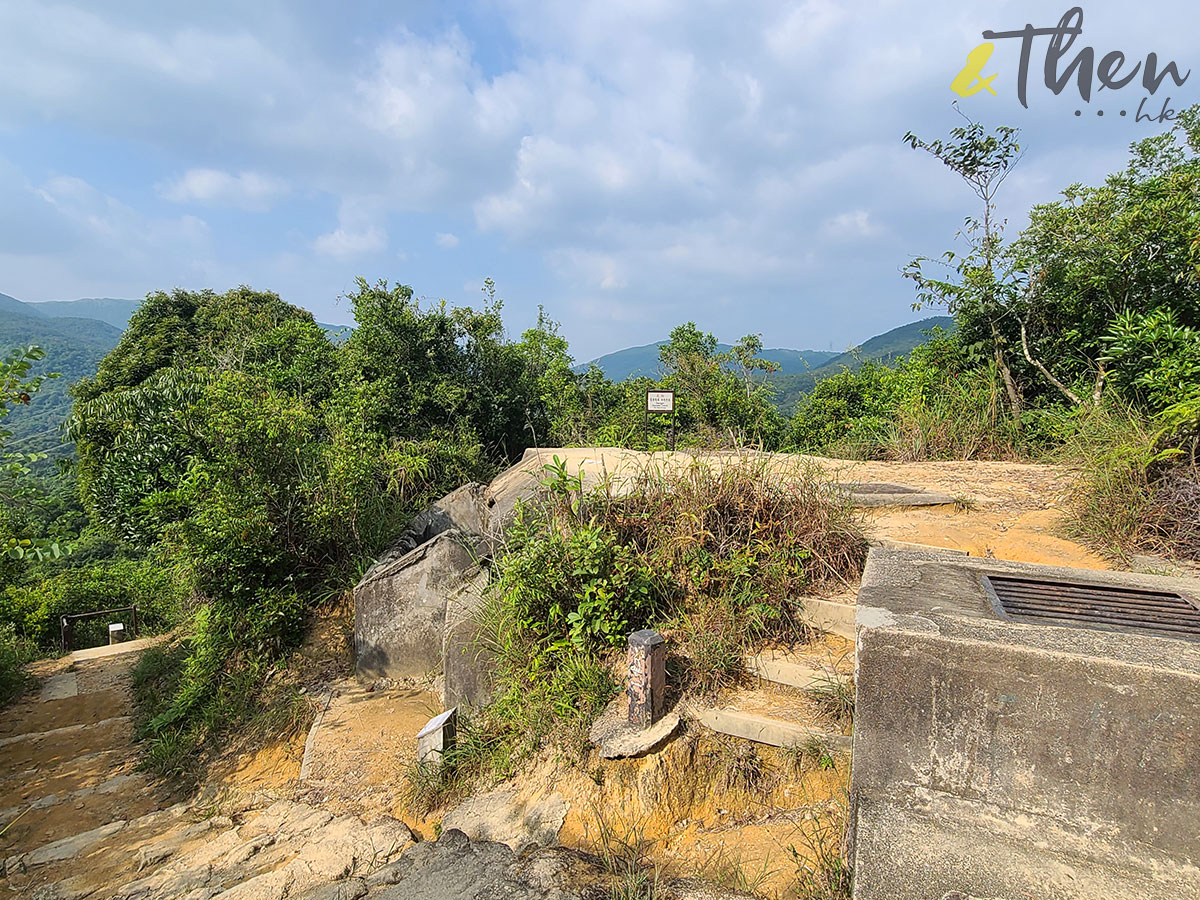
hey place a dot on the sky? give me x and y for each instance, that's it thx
(627, 164)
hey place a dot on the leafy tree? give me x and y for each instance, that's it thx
(1105, 261)
(982, 286)
(17, 388)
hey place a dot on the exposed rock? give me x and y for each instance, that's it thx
(616, 738)
(400, 608)
(288, 850)
(500, 816)
(455, 866)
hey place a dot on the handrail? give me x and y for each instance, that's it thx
(67, 622)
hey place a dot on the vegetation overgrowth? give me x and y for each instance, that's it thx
(236, 469)
(716, 556)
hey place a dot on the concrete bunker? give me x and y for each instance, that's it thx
(1024, 731)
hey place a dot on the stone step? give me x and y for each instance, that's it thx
(117, 784)
(828, 615)
(64, 730)
(767, 730)
(779, 669)
(77, 845)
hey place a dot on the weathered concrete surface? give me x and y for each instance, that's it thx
(876, 494)
(466, 664)
(766, 730)
(780, 669)
(520, 484)
(1019, 761)
(400, 607)
(829, 616)
(464, 509)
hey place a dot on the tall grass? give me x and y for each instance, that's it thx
(15, 652)
(1113, 450)
(715, 554)
(964, 418)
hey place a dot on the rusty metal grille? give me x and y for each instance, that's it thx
(1094, 606)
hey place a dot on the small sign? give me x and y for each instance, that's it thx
(660, 401)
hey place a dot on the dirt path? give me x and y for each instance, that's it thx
(67, 761)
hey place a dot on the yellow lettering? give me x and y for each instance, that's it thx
(970, 80)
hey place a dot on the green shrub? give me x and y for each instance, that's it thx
(34, 609)
(15, 652)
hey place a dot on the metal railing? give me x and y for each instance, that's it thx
(68, 622)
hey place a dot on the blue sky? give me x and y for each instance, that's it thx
(629, 164)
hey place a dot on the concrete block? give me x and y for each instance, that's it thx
(467, 665)
(400, 608)
(437, 737)
(765, 730)
(647, 677)
(1005, 759)
(463, 509)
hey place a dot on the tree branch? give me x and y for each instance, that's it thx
(1070, 394)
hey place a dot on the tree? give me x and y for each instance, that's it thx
(17, 388)
(1106, 262)
(983, 284)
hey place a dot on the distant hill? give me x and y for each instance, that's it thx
(634, 362)
(74, 346)
(891, 344)
(790, 388)
(105, 309)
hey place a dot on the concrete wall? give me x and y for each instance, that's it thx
(1012, 761)
(400, 608)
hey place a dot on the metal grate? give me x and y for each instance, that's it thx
(1094, 606)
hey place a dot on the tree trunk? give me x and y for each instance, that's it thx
(1010, 386)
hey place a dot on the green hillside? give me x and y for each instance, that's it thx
(890, 345)
(74, 346)
(106, 309)
(634, 362)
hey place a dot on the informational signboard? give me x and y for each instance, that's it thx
(660, 401)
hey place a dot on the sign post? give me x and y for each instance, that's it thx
(662, 402)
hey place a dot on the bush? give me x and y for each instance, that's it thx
(34, 610)
(716, 556)
(15, 652)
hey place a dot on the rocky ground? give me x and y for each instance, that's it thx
(81, 821)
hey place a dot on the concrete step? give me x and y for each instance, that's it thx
(783, 669)
(830, 616)
(768, 730)
(893, 544)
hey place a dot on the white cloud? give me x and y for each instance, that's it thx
(659, 159)
(855, 223)
(346, 244)
(214, 187)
